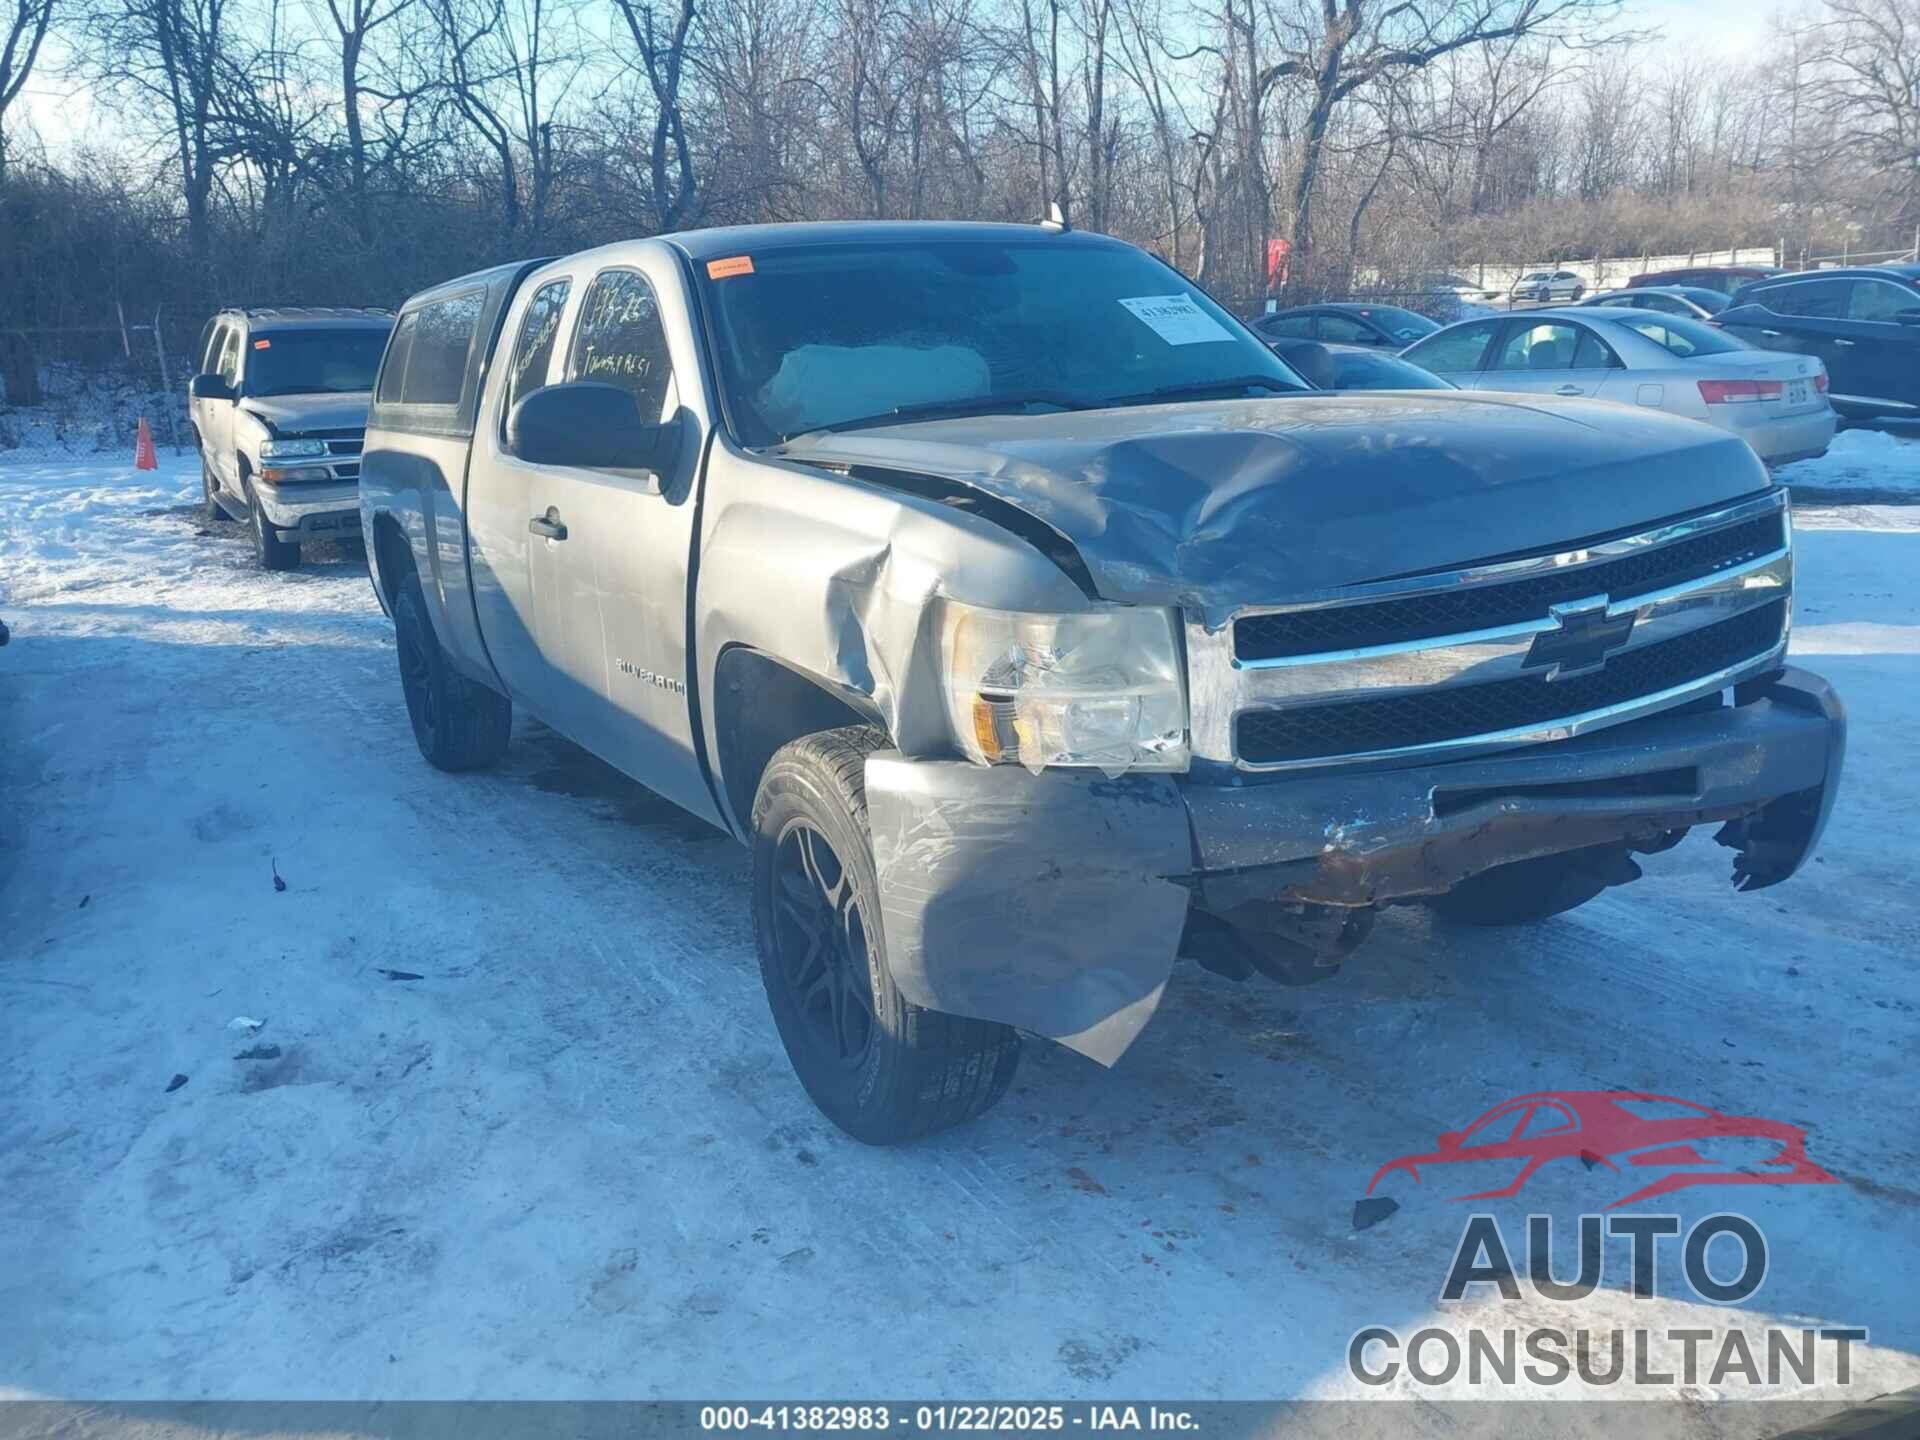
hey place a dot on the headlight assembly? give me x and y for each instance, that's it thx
(1101, 689)
(292, 449)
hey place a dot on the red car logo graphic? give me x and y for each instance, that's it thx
(1616, 1127)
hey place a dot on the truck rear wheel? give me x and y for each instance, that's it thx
(880, 1067)
(458, 723)
(1526, 890)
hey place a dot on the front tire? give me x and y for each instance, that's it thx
(1524, 892)
(878, 1066)
(458, 723)
(269, 549)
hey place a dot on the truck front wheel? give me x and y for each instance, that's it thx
(880, 1067)
(269, 549)
(458, 723)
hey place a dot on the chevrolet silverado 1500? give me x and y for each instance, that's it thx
(1035, 624)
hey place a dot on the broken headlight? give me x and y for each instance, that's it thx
(1101, 689)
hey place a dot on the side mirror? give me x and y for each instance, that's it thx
(209, 386)
(1907, 317)
(1450, 1139)
(590, 425)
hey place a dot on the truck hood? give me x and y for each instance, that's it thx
(298, 414)
(1227, 504)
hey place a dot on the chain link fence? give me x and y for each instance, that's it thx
(78, 393)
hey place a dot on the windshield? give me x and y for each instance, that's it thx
(314, 362)
(1680, 336)
(837, 336)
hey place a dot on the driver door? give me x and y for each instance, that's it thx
(607, 550)
(214, 418)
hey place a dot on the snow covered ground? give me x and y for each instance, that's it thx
(519, 1124)
(1865, 463)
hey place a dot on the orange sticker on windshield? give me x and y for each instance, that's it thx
(732, 265)
(263, 344)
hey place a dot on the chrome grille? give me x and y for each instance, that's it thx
(1421, 617)
(1429, 717)
(1507, 653)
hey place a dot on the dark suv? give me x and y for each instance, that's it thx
(1864, 323)
(279, 413)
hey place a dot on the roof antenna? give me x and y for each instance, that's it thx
(1056, 218)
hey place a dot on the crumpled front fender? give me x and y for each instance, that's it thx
(1054, 902)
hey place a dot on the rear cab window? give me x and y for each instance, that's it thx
(426, 382)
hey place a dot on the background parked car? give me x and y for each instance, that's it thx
(1777, 403)
(1465, 291)
(1355, 367)
(1863, 325)
(1692, 301)
(1724, 278)
(1548, 285)
(1382, 327)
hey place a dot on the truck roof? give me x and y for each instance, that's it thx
(732, 239)
(312, 317)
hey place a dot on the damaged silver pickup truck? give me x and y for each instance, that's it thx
(1036, 625)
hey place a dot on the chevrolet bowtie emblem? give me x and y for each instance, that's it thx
(1585, 636)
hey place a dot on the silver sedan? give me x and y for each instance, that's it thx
(1774, 401)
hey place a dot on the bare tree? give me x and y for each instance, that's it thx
(26, 27)
(1869, 93)
(1334, 48)
(662, 50)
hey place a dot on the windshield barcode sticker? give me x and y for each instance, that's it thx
(1176, 319)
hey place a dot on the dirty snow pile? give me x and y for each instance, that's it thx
(1878, 464)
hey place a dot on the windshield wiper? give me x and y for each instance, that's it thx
(1202, 387)
(946, 409)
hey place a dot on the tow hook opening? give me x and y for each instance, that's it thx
(1291, 942)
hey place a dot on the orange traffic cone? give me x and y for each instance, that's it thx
(143, 456)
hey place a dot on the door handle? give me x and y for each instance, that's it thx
(1569, 390)
(1771, 334)
(1844, 344)
(548, 525)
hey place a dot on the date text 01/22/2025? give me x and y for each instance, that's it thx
(990, 1419)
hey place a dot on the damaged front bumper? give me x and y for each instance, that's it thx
(1057, 902)
(312, 509)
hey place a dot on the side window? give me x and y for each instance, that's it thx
(1879, 300)
(1539, 347)
(619, 340)
(1816, 299)
(1344, 330)
(212, 342)
(1454, 352)
(1592, 353)
(230, 356)
(1288, 327)
(393, 370)
(533, 351)
(442, 336)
